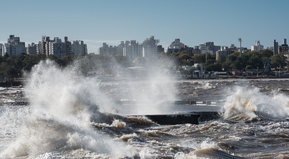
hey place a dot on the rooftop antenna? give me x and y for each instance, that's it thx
(240, 41)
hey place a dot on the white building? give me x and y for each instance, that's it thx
(132, 49)
(257, 47)
(205, 49)
(224, 51)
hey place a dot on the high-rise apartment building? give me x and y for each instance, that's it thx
(78, 48)
(108, 50)
(67, 47)
(14, 46)
(132, 49)
(57, 48)
(31, 49)
(275, 48)
(149, 47)
(43, 45)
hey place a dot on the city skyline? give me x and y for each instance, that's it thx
(47, 46)
(175, 46)
(194, 22)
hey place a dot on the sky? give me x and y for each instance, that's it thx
(112, 21)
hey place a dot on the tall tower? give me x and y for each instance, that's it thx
(275, 50)
(240, 41)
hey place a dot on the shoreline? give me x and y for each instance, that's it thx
(21, 83)
(234, 78)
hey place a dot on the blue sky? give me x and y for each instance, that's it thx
(193, 21)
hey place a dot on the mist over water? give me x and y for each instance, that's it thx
(63, 104)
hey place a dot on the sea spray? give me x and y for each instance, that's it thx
(247, 104)
(148, 86)
(64, 106)
(155, 89)
(11, 119)
(62, 103)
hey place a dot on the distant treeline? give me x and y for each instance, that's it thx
(13, 67)
(248, 61)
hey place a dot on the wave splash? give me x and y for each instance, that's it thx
(247, 104)
(62, 103)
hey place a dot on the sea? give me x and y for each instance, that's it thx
(60, 114)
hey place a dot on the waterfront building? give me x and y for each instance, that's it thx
(103, 50)
(57, 48)
(223, 52)
(132, 49)
(284, 47)
(31, 49)
(275, 48)
(208, 47)
(1, 49)
(14, 46)
(177, 46)
(160, 49)
(149, 47)
(197, 50)
(78, 48)
(211, 46)
(204, 49)
(257, 47)
(67, 47)
(119, 48)
(108, 50)
(233, 48)
(43, 45)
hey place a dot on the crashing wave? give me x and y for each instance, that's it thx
(248, 104)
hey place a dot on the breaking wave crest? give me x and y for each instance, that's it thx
(62, 104)
(247, 104)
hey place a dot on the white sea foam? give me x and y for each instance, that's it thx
(246, 103)
(62, 103)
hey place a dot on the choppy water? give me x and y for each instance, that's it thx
(241, 135)
(69, 117)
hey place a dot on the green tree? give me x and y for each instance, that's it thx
(278, 60)
(213, 67)
(199, 58)
(254, 62)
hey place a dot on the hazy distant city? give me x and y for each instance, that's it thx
(56, 47)
(129, 48)
(202, 61)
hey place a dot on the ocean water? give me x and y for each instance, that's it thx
(60, 114)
